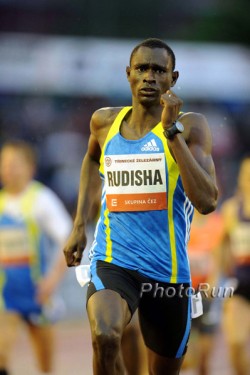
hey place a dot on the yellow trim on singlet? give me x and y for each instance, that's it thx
(114, 129)
(26, 206)
(27, 203)
(2, 201)
(108, 252)
(173, 175)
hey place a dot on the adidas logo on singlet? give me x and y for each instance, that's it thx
(150, 146)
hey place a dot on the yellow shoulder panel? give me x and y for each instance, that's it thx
(114, 129)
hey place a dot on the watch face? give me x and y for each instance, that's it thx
(179, 126)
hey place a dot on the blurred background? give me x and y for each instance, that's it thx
(62, 60)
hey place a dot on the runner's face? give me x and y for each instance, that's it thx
(150, 74)
(15, 170)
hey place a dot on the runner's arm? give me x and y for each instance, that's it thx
(88, 188)
(195, 162)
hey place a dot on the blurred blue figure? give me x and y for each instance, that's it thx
(30, 213)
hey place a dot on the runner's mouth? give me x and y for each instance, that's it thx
(148, 90)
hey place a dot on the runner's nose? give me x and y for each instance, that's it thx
(149, 76)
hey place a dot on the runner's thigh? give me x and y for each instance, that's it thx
(9, 323)
(165, 319)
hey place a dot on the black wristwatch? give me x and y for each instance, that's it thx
(176, 128)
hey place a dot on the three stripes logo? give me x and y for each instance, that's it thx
(150, 146)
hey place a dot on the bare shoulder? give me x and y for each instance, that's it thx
(196, 126)
(103, 118)
(194, 120)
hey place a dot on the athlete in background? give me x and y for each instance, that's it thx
(203, 249)
(155, 165)
(236, 264)
(29, 212)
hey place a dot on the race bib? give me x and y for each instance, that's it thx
(14, 246)
(135, 182)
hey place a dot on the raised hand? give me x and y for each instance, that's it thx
(171, 107)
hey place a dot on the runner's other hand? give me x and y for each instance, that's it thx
(75, 246)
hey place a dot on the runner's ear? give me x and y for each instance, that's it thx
(175, 76)
(128, 71)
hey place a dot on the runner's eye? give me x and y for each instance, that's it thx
(159, 71)
(141, 69)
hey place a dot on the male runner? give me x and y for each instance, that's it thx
(155, 164)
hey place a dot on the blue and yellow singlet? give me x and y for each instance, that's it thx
(22, 258)
(145, 216)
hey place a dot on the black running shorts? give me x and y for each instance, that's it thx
(164, 309)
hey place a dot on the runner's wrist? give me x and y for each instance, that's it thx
(172, 131)
(79, 224)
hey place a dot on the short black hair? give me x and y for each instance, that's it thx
(154, 43)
